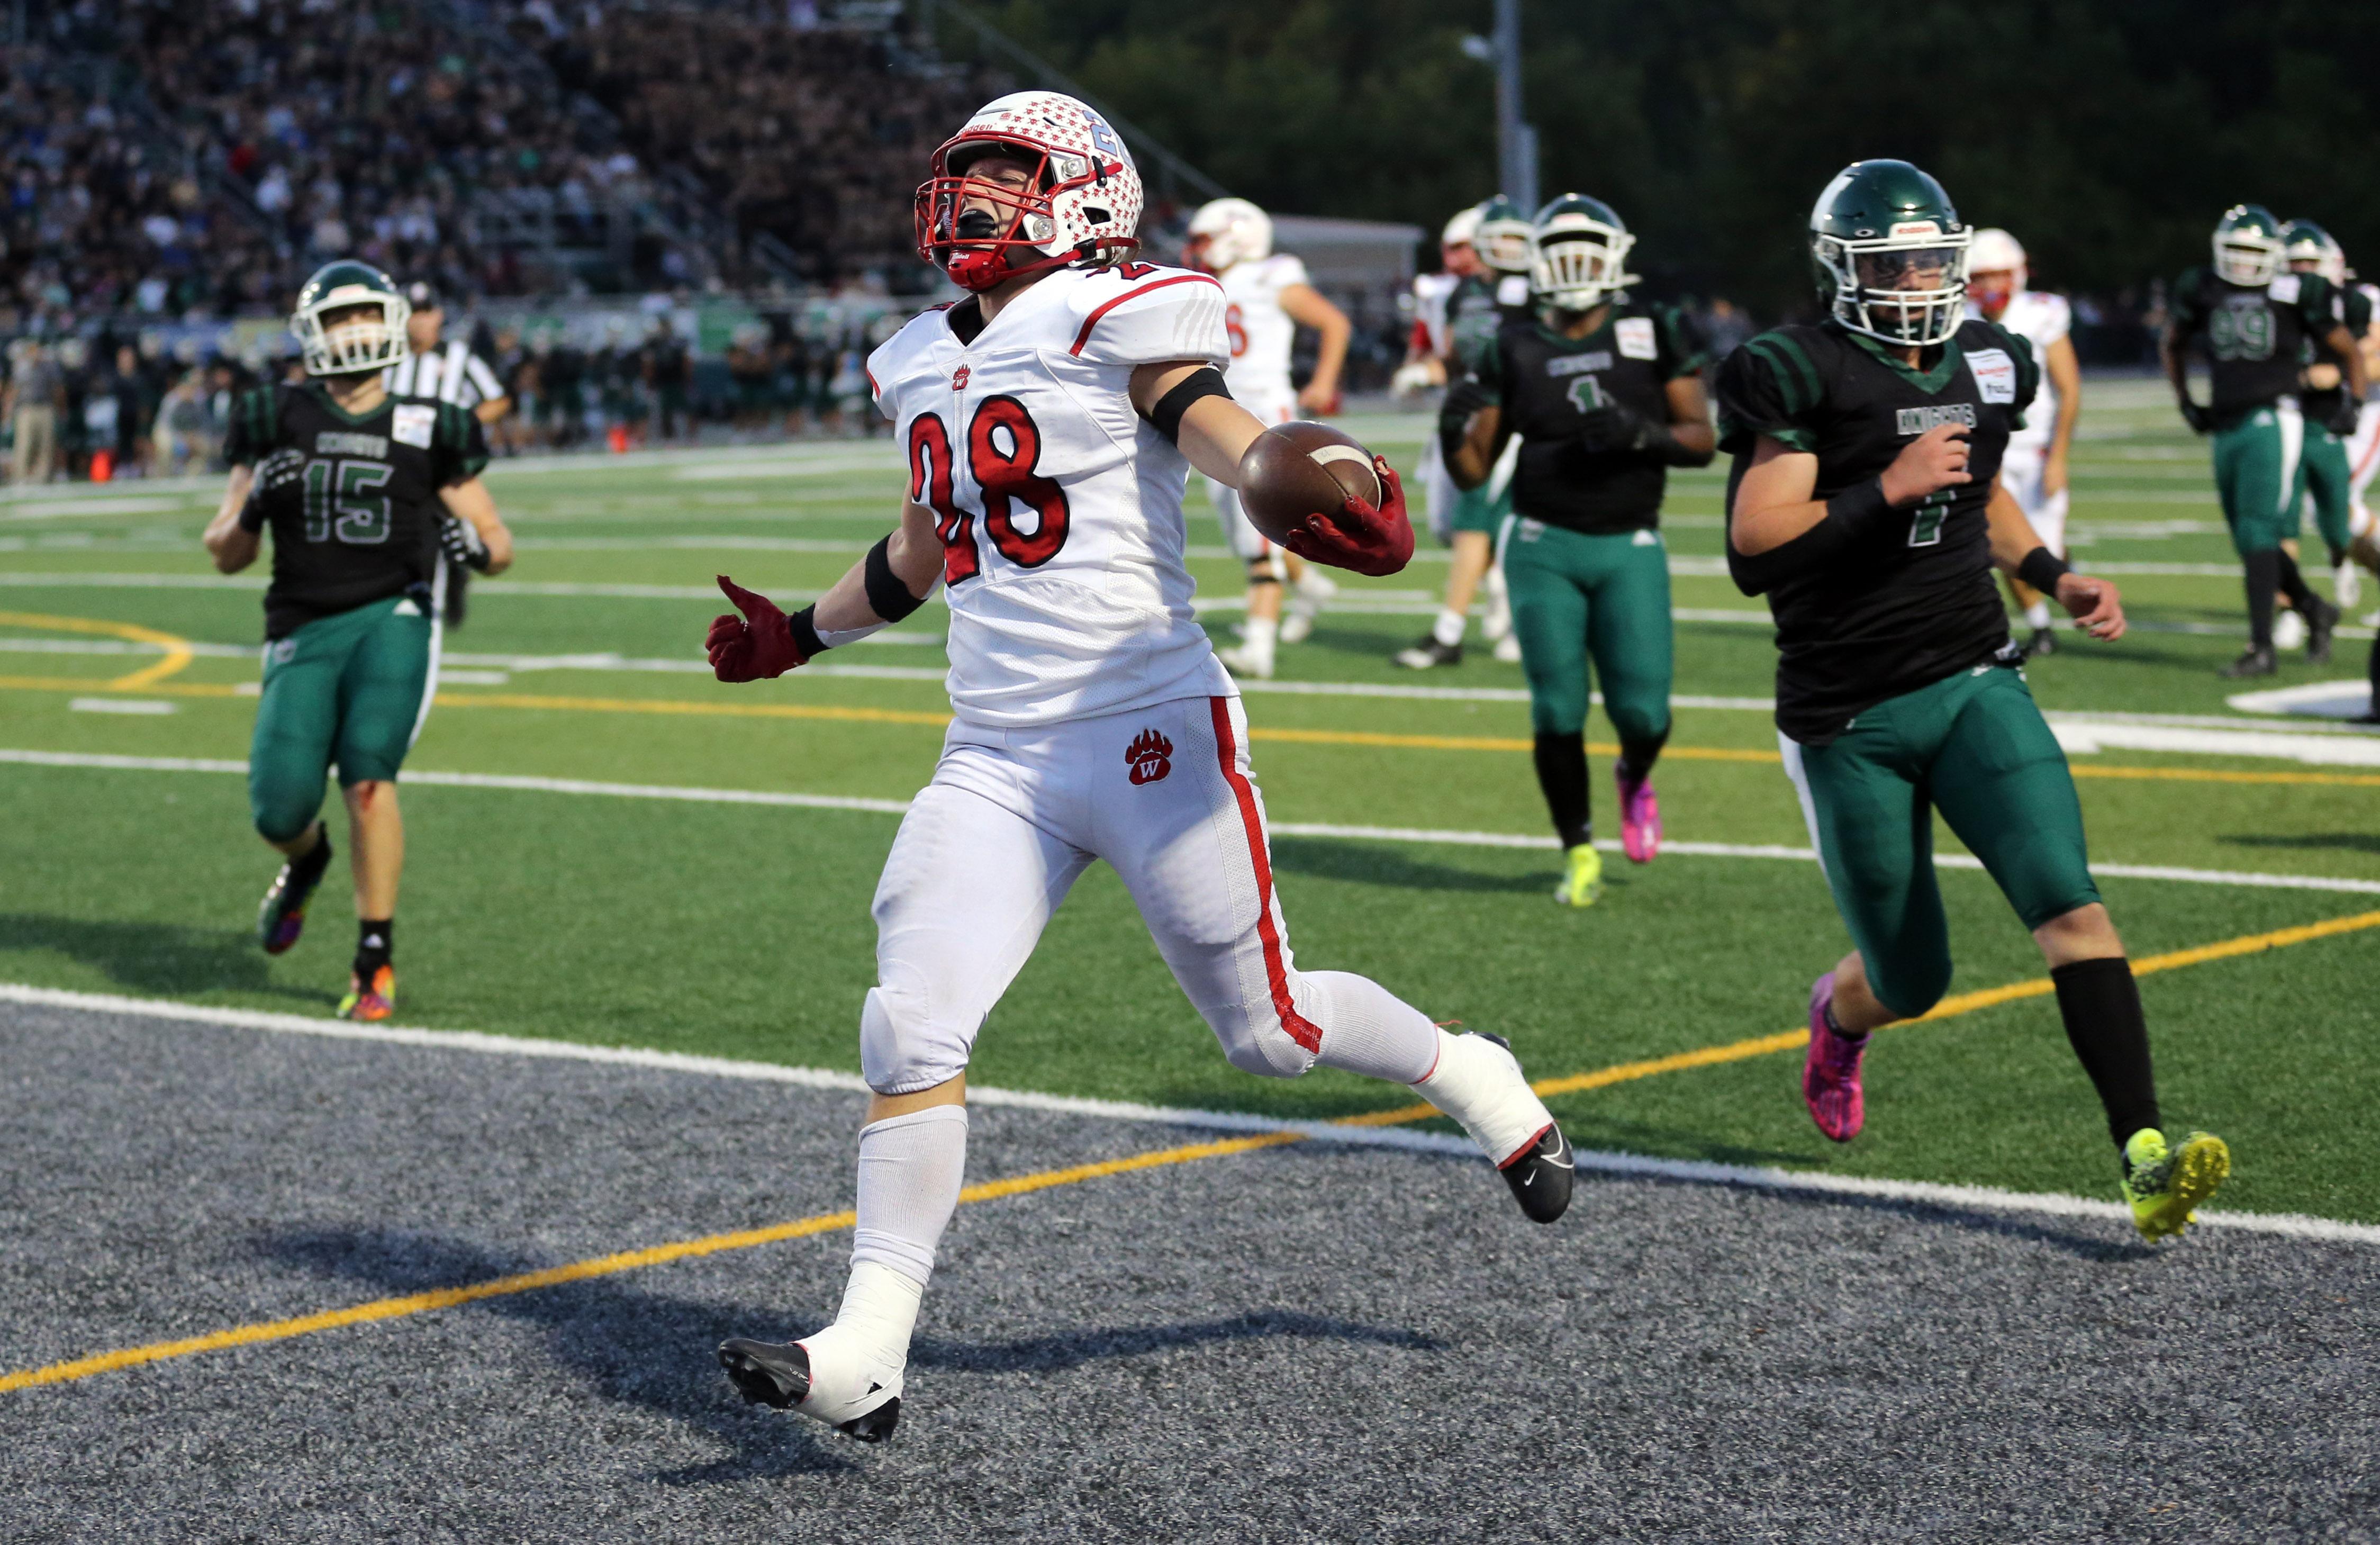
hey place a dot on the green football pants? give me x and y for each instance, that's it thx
(1974, 746)
(1579, 597)
(2256, 476)
(351, 689)
(2323, 471)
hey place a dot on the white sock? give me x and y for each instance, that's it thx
(1370, 1030)
(857, 1362)
(910, 1171)
(2037, 614)
(1479, 1083)
(1447, 628)
(1261, 633)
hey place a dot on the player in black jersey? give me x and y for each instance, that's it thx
(2324, 477)
(1495, 291)
(357, 486)
(1864, 503)
(2256, 324)
(1604, 394)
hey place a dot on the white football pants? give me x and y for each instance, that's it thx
(2363, 461)
(991, 847)
(2020, 470)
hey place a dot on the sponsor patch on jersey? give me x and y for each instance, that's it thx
(334, 442)
(1511, 290)
(1635, 335)
(2285, 288)
(1994, 374)
(1917, 420)
(1561, 365)
(1148, 756)
(415, 424)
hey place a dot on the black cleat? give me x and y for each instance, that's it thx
(2044, 642)
(2319, 627)
(1429, 652)
(769, 1373)
(282, 917)
(2254, 662)
(1541, 1178)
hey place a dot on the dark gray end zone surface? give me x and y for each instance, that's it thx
(1300, 1343)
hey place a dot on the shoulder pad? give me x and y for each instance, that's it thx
(1142, 314)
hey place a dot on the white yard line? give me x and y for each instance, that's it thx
(698, 795)
(1766, 1177)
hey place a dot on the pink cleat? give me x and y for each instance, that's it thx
(1640, 817)
(1830, 1077)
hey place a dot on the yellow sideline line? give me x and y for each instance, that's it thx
(178, 651)
(1015, 1185)
(678, 706)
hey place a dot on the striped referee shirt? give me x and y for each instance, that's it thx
(450, 373)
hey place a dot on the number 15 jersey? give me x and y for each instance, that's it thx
(1059, 507)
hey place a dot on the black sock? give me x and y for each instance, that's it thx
(375, 942)
(1637, 757)
(309, 865)
(2263, 578)
(2371, 669)
(1836, 1026)
(2101, 1004)
(2291, 583)
(1561, 772)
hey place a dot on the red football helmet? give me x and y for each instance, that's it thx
(1081, 205)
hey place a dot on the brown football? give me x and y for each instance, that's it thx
(1302, 468)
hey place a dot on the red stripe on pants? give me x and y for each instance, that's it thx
(1301, 1030)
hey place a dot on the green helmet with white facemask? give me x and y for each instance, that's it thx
(1582, 247)
(1875, 228)
(2308, 249)
(357, 343)
(1503, 236)
(2248, 247)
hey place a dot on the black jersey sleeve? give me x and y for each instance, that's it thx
(2186, 311)
(2317, 305)
(1764, 388)
(459, 446)
(1487, 368)
(255, 428)
(2355, 310)
(2028, 371)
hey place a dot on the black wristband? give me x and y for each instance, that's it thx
(1165, 416)
(1859, 505)
(803, 628)
(252, 517)
(2041, 569)
(887, 596)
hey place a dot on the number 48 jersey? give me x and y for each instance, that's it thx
(1059, 507)
(367, 526)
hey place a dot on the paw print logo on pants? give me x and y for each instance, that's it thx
(1147, 754)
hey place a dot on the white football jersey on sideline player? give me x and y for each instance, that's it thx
(1058, 505)
(1261, 335)
(1431, 292)
(2040, 320)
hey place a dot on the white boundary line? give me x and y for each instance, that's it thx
(109, 762)
(1763, 1178)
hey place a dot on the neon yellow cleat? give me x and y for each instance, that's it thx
(1583, 883)
(2164, 1188)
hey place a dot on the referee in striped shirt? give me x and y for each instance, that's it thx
(449, 372)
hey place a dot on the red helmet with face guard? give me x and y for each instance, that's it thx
(1080, 203)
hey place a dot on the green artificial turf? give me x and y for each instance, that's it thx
(744, 932)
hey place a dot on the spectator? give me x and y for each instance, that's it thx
(37, 401)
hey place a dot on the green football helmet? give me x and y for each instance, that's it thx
(2308, 249)
(2248, 246)
(359, 343)
(1582, 247)
(1503, 237)
(1877, 226)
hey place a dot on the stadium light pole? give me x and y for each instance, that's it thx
(1516, 138)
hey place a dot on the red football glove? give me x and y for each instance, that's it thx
(759, 644)
(1367, 541)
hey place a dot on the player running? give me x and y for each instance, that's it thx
(1492, 290)
(355, 485)
(2325, 474)
(1865, 502)
(1601, 394)
(1050, 419)
(1268, 298)
(2033, 470)
(2256, 323)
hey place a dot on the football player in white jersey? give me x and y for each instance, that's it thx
(2033, 467)
(1268, 297)
(1050, 421)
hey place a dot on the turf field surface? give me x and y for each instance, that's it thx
(699, 926)
(1285, 1343)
